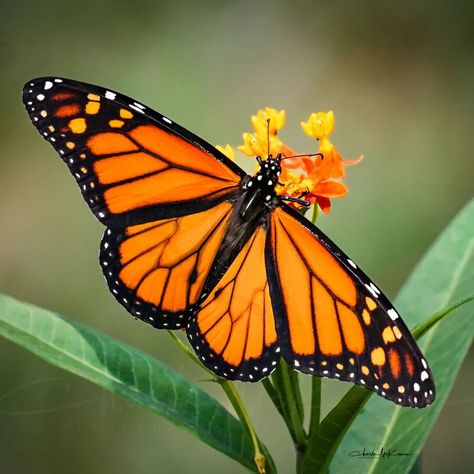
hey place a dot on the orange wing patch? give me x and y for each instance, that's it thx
(68, 110)
(157, 270)
(324, 321)
(234, 330)
(168, 169)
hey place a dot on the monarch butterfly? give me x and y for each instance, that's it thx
(194, 242)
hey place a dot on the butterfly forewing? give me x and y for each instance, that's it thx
(131, 163)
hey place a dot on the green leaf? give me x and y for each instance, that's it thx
(323, 443)
(444, 278)
(126, 372)
(286, 384)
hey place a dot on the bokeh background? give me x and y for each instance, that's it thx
(399, 77)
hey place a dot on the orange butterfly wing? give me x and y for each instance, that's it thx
(157, 270)
(234, 331)
(334, 321)
(132, 164)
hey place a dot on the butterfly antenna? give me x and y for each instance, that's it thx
(268, 137)
(305, 154)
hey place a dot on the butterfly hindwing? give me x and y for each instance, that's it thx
(157, 270)
(234, 332)
(334, 322)
(132, 164)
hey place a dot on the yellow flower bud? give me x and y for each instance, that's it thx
(319, 125)
(276, 121)
(227, 151)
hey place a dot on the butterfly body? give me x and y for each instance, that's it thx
(193, 242)
(253, 203)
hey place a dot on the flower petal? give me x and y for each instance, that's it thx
(330, 189)
(227, 151)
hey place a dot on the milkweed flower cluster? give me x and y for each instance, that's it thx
(316, 178)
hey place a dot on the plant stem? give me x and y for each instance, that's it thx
(423, 328)
(273, 394)
(237, 403)
(190, 353)
(315, 417)
(239, 407)
(287, 386)
(315, 214)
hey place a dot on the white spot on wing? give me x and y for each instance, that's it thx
(424, 375)
(167, 120)
(375, 288)
(371, 291)
(48, 85)
(110, 95)
(393, 314)
(40, 97)
(134, 107)
(351, 263)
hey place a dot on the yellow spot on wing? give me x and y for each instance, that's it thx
(371, 304)
(339, 366)
(401, 389)
(93, 97)
(78, 125)
(70, 145)
(387, 335)
(125, 114)
(116, 123)
(92, 108)
(366, 317)
(51, 128)
(352, 361)
(377, 356)
(386, 386)
(365, 370)
(397, 332)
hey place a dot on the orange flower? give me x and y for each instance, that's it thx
(313, 177)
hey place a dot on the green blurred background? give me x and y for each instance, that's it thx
(399, 77)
